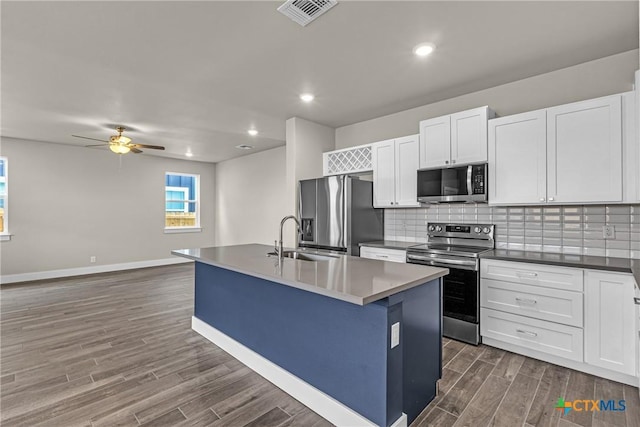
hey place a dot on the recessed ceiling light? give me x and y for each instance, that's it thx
(423, 49)
(244, 147)
(188, 154)
(307, 97)
(252, 132)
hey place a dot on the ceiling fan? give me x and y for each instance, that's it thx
(120, 144)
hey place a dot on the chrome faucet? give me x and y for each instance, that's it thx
(278, 247)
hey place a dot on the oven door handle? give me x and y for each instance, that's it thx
(445, 263)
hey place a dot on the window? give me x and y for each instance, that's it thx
(3, 196)
(181, 197)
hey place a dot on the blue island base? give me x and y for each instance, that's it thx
(331, 355)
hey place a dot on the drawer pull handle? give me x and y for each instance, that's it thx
(382, 256)
(522, 331)
(636, 300)
(526, 301)
(526, 274)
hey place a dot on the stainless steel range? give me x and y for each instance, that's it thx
(457, 247)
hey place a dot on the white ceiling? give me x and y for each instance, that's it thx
(196, 75)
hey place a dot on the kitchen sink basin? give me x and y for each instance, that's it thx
(304, 256)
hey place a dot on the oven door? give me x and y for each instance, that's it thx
(460, 300)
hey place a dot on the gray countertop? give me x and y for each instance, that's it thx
(621, 265)
(352, 279)
(389, 244)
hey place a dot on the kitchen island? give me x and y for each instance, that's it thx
(356, 340)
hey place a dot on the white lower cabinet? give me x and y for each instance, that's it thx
(553, 305)
(610, 323)
(383, 254)
(582, 319)
(552, 338)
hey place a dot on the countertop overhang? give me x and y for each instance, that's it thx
(347, 278)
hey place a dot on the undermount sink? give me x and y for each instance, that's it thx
(304, 256)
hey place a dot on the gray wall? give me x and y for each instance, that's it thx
(68, 203)
(306, 141)
(605, 76)
(251, 198)
(254, 192)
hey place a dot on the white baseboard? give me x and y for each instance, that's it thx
(571, 364)
(401, 422)
(69, 272)
(318, 401)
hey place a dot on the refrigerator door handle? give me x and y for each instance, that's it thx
(341, 212)
(299, 235)
(346, 205)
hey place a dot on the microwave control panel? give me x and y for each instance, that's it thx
(477, 179)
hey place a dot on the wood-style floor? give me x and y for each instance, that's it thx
(486, 386)
(117, 349)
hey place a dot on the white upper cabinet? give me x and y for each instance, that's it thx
(395, 172)
(518, 158)
(584, 151)
(459, 138)
(631, 146)
(567, 154)
(435, 142)
(469, 135)
(407, 149)
(610, 332)
(384, 173)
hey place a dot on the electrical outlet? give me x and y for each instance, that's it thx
(608, 232)
(395, 334)
(92, 259)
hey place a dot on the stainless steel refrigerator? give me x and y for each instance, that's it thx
(337, 213)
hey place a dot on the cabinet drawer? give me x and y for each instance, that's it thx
(550, 276)
(551, 338)
(532, 301)
(383, 254)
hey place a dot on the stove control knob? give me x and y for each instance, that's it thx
(477, 230)
(438, 228)
(432, 228)
(486, 230)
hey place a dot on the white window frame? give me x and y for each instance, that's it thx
(183, 190)
(189, 229)
(5, 235)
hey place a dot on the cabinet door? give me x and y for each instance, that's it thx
(518, 159)
(469, 136)
(383, 158)
(435, 142)
(630, 148)
(407, 149)
(584, 151)
(609, 322)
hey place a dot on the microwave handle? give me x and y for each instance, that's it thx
(469, 183)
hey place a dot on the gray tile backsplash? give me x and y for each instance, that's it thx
(561, 229)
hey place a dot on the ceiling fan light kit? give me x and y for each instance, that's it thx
(119, 148)
(120, 144)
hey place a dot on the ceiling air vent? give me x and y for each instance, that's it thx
(305, 11)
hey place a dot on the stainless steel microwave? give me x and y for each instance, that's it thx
(466, 184)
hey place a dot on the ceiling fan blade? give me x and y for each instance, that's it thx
(86, 137)
(153, 147)
(135, 150)
(96, 145)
